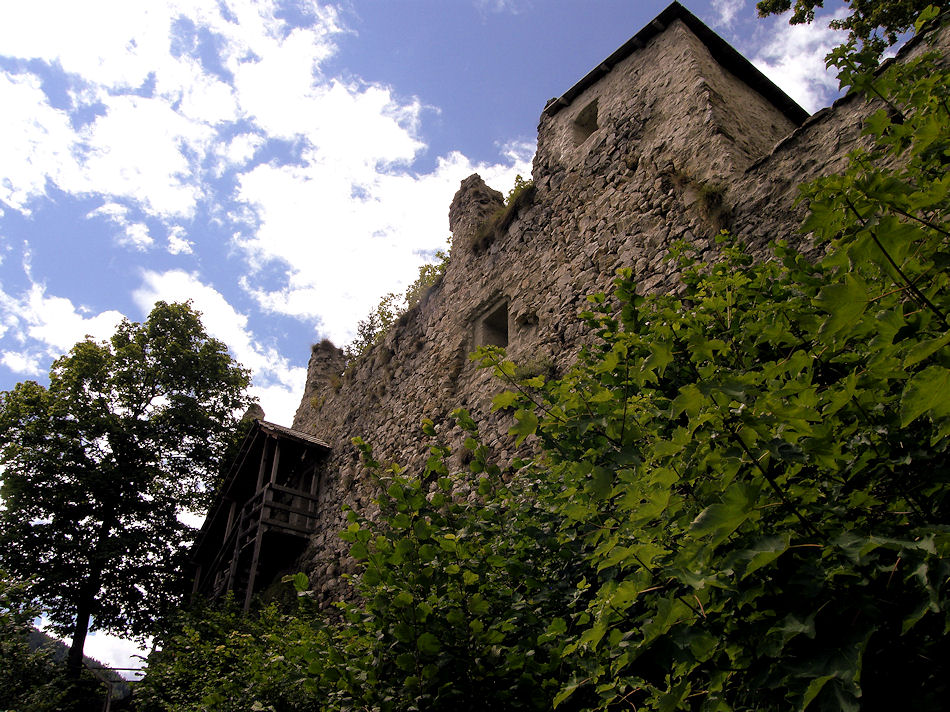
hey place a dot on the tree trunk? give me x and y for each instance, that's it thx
(83, 613)
(87, 599)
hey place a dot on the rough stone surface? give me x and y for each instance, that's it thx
(671, 147)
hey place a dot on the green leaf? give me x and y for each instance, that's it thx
(527, 424)
(845, 302)
(814, 687)
(924, 349)
(478, 605)
(503, 400)
(926, 393)
(763, 552)
(299, 580)
(405, 662)
(402, 599)
(689, 401)
(719, 520)
(601, 483)
(566, 691)
(428, 644)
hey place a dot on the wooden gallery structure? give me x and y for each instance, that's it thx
(263, 515)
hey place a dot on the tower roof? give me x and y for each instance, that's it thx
(722, 51)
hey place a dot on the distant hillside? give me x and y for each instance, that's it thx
(39, 639)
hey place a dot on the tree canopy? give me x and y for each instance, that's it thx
(876, 24)
(97, 466)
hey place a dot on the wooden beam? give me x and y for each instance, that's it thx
(263, 466)
(273, 469)
(252, 574)
(227, 530)
(194, 586)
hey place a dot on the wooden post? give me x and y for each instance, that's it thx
(263, 467)
(232, 569)
(194, 586)
(314, 490)
(273, 469)
(253, 573)
(231, 511)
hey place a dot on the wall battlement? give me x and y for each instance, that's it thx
(673, 138)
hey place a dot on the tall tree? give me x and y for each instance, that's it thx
(96, 468)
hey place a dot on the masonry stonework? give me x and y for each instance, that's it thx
(674, 137)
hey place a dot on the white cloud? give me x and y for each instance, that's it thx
(794, 58)
(348, 252)
(116, 653)
(511, 6)
(109, 650)
(726, 11)
(240, 149)
(45, 327)
(44, 140)
(277, 383)
(152, 169)
(134, 234)
(346, 218)
(149, 148)
(21, 363)
(178, 244)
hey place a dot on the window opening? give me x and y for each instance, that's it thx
(493, 329)
(585, 123)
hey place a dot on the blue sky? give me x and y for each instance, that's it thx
(282, 163)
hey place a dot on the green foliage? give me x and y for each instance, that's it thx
(461, 575)
(520, 196)
(30, 680)
(221, 659)
(24, 672)
(461, 579)
(374, 327)
(759, 468)
(876, 24)
(391, 307)
(740, 498)
(430, 274)
(96, 467)
(520, 187)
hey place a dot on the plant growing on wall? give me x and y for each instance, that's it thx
(377, 323)
(520, 196)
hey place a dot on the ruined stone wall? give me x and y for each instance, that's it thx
(678, 149)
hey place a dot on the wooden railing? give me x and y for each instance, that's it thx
(274, 507)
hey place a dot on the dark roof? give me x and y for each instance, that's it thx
(282, 431)
(721, 50)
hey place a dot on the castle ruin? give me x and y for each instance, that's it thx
(674, 137)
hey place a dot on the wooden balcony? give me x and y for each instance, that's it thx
(254, 532)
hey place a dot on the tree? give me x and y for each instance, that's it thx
(877, 24)
(97, 467)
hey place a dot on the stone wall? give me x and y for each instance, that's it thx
(676, 147)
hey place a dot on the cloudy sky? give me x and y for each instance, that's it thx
(281, 163)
